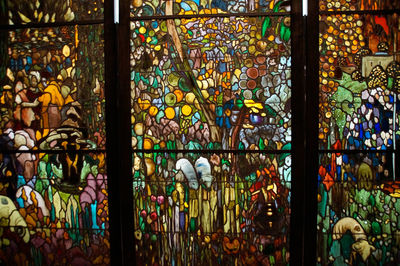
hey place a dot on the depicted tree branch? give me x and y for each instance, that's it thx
(172, 29)
(208, 113)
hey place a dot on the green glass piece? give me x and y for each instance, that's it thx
(270, 111)
(371, 200)
(285, 32)
(376, 228)
(170, 99)
(346, 241)
(164, 162)
(266, 24)
(261, 144)
(390, 83)
(169, 189)
(192, 224)
(183, 85)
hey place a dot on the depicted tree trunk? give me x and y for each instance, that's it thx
(209, 115)
(216, 133)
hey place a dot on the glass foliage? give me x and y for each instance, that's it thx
(358, 210)
(219, 83)
(196, 208)
(52, 11)
(200, 87)
(143, 8)
(358, 192)
(356, 5)
(359, 81)
(53, 179)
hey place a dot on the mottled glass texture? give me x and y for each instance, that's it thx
(358, 186)
(357, 5)
(52, 11)
(202, 86)
(143, 8)
(53, 178)
(359, 81)
(198, 208)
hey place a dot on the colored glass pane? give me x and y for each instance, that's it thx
(51, 211)
(359, 76)
(51, 11)
(207, 84)
(213, 83)
(358, 209)
(357, 5)
(53, 179)
(140, 8)
(358, 206)
(197, 208)
(53, 88)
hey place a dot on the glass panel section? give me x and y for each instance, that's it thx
(54, 208)
(356, 5)
(140, 8)
(358, 210)
(200, 87)
(359, 81)
(211, 83)
(199, 208)
(51, 11)
(53, 178)
(358, 191)
(52, 88)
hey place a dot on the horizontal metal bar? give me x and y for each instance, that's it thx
(41, 228)
(222, 15)
(211, 151)
(52, 24)
(167, 232)
(216, 175)
(355, 151)
(2, 151)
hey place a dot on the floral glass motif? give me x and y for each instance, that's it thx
(358, 191)
(359, 81)
(356, 5)
(140, 8)
(194, 208)
(53, 178)
(200, 87)
(50, 11)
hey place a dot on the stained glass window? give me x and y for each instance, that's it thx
(212, 125)
(358, 188)
(211, 131)
(53, 178)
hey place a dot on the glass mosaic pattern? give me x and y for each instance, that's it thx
(51, 11)
(349, 5)
(359, 81)
(211, 88)
(358, 192)
(53, 177)
(194, 208)
(203, 86)
(140, 8)
(358, 210)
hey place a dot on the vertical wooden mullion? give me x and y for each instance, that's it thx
(298, 133)
(311, 135)
(119, 155)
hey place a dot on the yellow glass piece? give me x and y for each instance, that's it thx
(252, 104)
(186, 110)
(170, 113)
